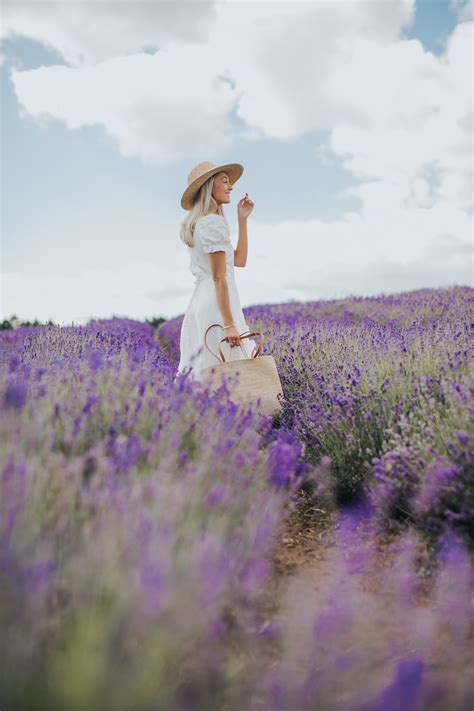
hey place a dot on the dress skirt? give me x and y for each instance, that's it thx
(203, 311)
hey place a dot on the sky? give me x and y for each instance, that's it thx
(353, 121)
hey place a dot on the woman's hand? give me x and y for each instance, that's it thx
(232, 336)
(244, 207)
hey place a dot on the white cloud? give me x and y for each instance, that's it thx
(321, 261)
(464, 9)
(136, 290)
(314, 259)
(88, 32)
(272, 62)
(147, 103)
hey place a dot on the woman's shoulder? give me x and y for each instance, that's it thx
(213, 223)
(213, 232)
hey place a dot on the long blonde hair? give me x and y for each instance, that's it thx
(204, 203)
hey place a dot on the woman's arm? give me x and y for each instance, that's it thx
(240, 252)
(218, 271)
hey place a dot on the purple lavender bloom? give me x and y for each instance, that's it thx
(217, 495)
(282, 463)
(402, 693)
(14, 363)
(153, 587)
(15, 394)
(96, 359)
(462, 436)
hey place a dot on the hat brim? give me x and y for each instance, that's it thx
(233, 170)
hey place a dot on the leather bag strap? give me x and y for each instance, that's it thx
(245, 334)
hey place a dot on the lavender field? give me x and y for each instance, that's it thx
(146, 523)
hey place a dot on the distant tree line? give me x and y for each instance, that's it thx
(15, 322)
(155, 321)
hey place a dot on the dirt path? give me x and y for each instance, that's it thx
(305, 543)
(304, 553)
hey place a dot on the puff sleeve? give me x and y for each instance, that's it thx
(214, 234)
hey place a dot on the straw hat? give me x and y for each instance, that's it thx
(201, 172)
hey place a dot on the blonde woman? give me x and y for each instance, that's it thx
(215, 299)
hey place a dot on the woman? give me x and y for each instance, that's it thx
(215, 299)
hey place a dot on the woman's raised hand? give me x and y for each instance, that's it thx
(244, 207)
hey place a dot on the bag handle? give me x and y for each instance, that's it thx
(245, 334)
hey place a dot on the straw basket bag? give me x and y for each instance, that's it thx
(258, 375)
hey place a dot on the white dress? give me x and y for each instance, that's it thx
(211, 234)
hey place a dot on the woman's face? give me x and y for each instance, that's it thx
(222, 188)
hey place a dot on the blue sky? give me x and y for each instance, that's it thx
(91, 183)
